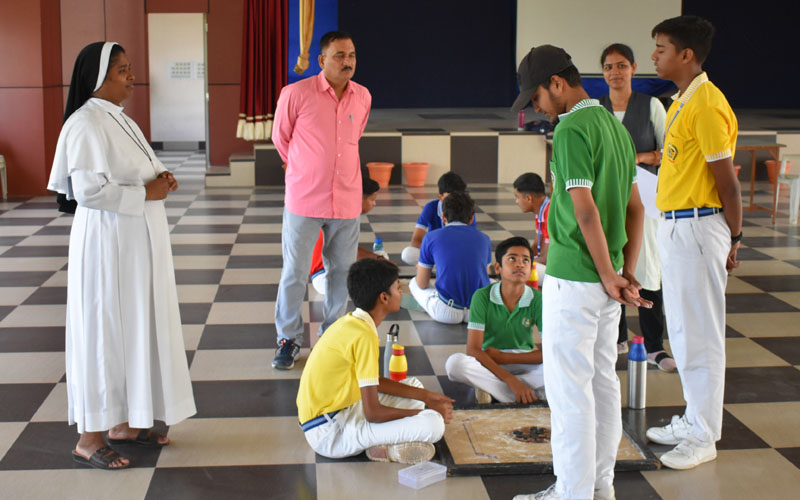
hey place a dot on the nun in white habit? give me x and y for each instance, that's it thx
(126, 365)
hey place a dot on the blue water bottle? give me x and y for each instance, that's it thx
(637, 374)
(378, 245)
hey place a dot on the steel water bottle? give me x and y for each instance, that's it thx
(391, 338)
(637, 374)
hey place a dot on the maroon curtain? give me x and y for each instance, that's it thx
(265, 66)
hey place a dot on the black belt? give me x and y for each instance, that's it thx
(691, 213)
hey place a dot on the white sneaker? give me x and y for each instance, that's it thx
(483, 397)
(673, 433)
(604, 495)
(689, 454)
(548, 494)
(404, 453)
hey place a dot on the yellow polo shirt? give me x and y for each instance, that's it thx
(701, 128)
(344, 360)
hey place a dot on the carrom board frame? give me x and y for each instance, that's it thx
(649, 461)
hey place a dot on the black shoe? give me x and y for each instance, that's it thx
(285, 355)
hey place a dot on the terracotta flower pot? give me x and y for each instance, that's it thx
(773, 168)
(380, 172)
(416, 172)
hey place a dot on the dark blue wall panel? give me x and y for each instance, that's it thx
(442, 53)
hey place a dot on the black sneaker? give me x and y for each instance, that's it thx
(285, 355)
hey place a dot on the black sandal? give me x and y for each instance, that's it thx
(101, 459)
(146, 437)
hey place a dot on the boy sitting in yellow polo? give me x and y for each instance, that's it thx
(344, 406)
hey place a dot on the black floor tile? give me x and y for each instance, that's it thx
(751, 254)
(484, 225)
(246, 398)
(395, 235)
(53, 231)
(10, 241)
(49, 445)
(463, 394)
(19, 402)
(5, 311)
(289, 482)
(409, 219)
(222, 197)
(762, 385)
(791, 454)
(24, 278)
(756, 303)
(202, 249)
(254, 261)
(194, 314)
(246, 293)
(27, 221)
(435, 333)
(262, 219)
(205, 228)
(214, 211)
(48, 295)
(503, 217)
(32, 339)
(198, 276)
(265, 203)
(772, 241)
(262, 336)
(39, 205)
(259, 237)
(730, 333)
(774, 283)
(418, 363)
(787, 348)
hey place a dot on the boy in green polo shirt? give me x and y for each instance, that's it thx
(595, 222)
(500, 332)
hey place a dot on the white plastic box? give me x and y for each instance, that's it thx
(422, 475)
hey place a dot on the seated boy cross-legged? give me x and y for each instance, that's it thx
(344, 406)
(460, 254)
(501, 361)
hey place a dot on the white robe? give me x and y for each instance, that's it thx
(124, 344)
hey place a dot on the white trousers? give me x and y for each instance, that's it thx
(320, 282)
(349, 432)
(468, 370)
(410, 255)
(693, 254)
(580, 326)
(429, 299)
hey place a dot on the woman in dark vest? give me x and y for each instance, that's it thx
(644, 117)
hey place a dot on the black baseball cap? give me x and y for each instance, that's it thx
(536, 68)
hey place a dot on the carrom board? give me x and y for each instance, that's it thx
(481, 440)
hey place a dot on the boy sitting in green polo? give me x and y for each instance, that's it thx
(501, 359)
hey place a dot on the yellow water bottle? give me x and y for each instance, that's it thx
(534, 279)
(398, 364)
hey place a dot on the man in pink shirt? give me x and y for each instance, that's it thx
(318, 122)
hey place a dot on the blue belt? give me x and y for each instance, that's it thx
(317, 421)
(450, 302)
(692, 213)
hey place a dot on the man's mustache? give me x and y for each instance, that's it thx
(347, 68)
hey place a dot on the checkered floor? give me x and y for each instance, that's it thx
(244, 441)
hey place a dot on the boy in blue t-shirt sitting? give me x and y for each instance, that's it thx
(431, 217)
(461, 255)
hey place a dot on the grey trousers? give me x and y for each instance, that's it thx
(298, 238)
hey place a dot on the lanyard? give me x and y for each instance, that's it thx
(539, 225)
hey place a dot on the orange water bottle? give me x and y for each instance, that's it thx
(398, 364)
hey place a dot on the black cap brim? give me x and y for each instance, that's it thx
(523, 100)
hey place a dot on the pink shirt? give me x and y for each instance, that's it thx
(317, 136)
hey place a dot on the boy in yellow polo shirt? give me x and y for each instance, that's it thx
(344, 406)
(698, 235)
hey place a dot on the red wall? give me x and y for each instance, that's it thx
(39, 41)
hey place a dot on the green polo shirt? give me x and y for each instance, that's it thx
(591, 149)
(502, 329)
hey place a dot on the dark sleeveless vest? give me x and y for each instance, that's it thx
(637, 121)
